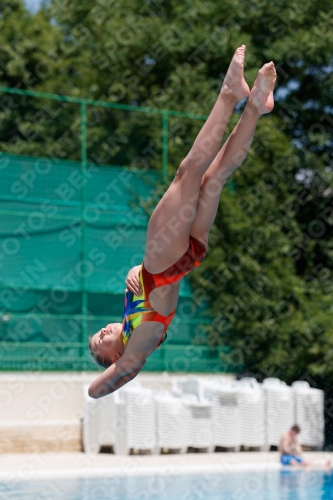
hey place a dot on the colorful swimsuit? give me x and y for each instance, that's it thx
(138, 310)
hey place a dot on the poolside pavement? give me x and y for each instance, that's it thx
(29, 466)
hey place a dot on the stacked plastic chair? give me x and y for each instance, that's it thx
(172, 424)
(199, 416)
(141, 419)
(135, 420)
(309, 414)
(225, 412)
(98, 422)
(280, 410)
(203, 413)
(251, 400)
(197, 412)
(90, 423)
(120, 442)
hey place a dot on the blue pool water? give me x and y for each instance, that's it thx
(284, 485)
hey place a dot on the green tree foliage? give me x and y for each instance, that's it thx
(268, 272)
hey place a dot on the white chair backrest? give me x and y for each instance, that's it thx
(300, 385)
(273, 382)
(248, 382)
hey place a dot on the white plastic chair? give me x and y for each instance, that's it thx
(89, 423)
(309, 413)
(135, 420)
(225, 412)
(199, 415)
(193, 385)
(280, 410)
(172, 422)
(98, 422)
(251, 400)
(198, 412)
(120, 443)
(141, 419)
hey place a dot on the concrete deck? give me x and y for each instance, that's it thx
(17, 467)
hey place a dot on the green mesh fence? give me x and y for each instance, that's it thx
(69, 232)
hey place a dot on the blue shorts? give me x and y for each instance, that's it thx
(286, 459)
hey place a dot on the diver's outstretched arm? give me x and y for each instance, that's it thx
(114, 377)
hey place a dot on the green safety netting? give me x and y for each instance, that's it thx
(66, 245)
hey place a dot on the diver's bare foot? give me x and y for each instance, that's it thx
(261, 96)
(234, 84)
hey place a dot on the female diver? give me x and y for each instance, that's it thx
(178, 229)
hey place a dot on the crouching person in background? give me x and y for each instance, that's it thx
(290, 449)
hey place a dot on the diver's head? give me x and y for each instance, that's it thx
(106, 346)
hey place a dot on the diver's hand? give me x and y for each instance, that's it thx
(132, 281)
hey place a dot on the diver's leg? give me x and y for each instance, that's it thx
(170, 224)
(233, 153)
(234, 89)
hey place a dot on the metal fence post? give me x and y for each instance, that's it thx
(84, 295)
(165, 358)
(165, 144)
